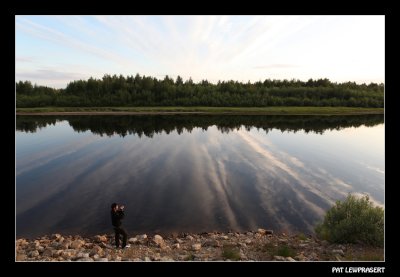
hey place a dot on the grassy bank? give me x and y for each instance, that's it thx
(203, 110)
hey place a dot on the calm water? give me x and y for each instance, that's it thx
(191, 173)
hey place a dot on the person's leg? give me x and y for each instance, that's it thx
(117, 232)
(124, 237)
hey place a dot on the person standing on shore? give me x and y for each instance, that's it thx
(117, 213)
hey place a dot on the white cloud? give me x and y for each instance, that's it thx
(341, 48)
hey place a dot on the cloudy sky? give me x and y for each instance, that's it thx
(53, 50)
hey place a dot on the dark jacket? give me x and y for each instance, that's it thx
(116, 217)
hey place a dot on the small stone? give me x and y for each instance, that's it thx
(76, 244)
(179, 240)
(338, 251)
(176, 246)
(279, 258)
(261, 231)
(55, 236)
(196, 246)
(99, 238)
(290, 259)
(86, 259)
(147, 259)
(33, 254)
(20, 257)
(189, 238)
(248, 241)
(48, 253)
(82, 255)
(132, 240)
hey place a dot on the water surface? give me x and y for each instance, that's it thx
(180, 173)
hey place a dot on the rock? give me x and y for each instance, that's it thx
(166, 258)
(142, 237)
(242, 245)
(86, 259)
(249, 233)
(48, 253)
(179, 240)
(147, 259)
(21, 257)
(34, 245)
(55, 236)
(176, 246)
(103, 260)
(159, 241)
(68, 254)
(212, 243)
(33, 254)
(196, 246)
(99, 238)
(261, 231)
(224, 237)
(279, 258)
(82, 255)
(189, 237)
(133, 240)
(301, 257)
(290, 259)
(338, 251)
(55, 245)
(248, 241)
(117, 258)
(65, 244)
(96, 250)
(76, 244)
(337, 258)
(302, 245)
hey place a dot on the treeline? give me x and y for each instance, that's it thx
(112, 91)
(150, 125)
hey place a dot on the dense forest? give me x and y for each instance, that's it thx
(112, 91)
(150, 125)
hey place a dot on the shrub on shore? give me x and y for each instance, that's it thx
(353, 220)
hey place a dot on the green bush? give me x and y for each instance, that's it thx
(353, 220)
(230, 252)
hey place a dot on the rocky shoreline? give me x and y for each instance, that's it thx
(260, 245)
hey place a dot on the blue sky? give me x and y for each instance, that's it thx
(53, 50)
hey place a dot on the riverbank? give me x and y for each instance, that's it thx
(198, 110)
(260, 245)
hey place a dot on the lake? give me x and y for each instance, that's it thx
(181, 173)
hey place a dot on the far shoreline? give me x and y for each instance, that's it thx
(198, 111)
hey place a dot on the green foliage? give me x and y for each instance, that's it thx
(285, 251)
(157, 124)
(189, 257)
(301, 236)
(353, 220)
(148, 91)
(230, 252)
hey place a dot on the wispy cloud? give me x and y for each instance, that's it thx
(276, 65)
(24, 59)
(50, 74)
(209, 47)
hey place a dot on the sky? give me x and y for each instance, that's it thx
(54, 50)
